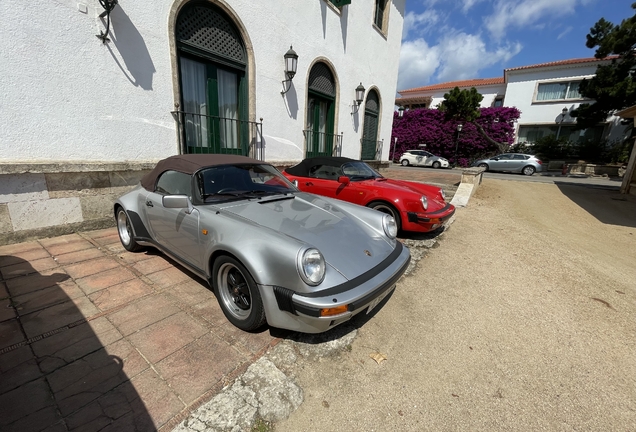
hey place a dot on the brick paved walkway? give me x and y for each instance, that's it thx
(94, 337)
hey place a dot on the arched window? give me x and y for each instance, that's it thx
(321, 96)
(212, 72)
(370, 145)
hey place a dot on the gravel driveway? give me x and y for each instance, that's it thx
(523, 319)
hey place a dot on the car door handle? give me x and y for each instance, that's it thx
(149, 203)
(309, 184)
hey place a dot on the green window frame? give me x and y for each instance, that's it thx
(214, 100)
(321, 110)
(379, 13)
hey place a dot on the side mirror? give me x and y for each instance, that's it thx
(178, 202)
(495, 158)
(344, 180)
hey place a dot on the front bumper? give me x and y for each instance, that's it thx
(424, 222)
(287, 309)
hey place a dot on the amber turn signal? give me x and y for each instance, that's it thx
(334, 310)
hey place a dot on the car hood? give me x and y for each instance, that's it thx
(411, 190)
(347, 243)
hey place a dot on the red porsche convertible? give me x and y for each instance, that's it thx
(414, 206)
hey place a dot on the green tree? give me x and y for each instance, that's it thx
(614, 86)
(463, 106)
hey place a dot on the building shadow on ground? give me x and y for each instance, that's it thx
(59, 371)
(606, 204)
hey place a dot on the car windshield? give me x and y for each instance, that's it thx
(359, 171)
(230, 182)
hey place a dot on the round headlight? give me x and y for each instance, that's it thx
(441, 192)
(424, 202)
(390, 226)
(311, 266)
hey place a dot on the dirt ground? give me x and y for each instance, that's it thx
(524, 318)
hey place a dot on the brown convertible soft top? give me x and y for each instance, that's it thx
(191, 163)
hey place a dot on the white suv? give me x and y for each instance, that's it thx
(422, 158)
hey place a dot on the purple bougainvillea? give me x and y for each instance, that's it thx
(430, 127)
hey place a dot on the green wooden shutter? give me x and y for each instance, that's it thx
(340, 3)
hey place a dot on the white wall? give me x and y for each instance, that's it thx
(68, 97)
(521, 90)
(488, 92)
(522, 87)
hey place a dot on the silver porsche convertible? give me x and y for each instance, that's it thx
(270, 252)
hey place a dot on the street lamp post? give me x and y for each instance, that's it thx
(564, 112)
(400, 114)
(459, 130)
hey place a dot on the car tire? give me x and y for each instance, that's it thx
(528, 170)
(404, 162)
(388, 209)
(436, 164)
(237, 294)
(126, 235)
(483, 165)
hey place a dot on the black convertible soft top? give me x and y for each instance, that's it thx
(191, 163)
(303, 168)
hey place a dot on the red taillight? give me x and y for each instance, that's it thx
(539, 162)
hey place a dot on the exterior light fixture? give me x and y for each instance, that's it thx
(108, 6)
(459, 130)
(291, 63)
(564, 112)
(359, 98)
(401, 112)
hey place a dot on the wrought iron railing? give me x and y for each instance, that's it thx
(201, 133)
(322, 144)
(371, 149)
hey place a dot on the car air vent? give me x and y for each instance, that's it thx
(284, 299)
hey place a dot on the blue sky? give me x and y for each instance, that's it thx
(448, 40)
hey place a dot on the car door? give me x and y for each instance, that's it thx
(322, 180)
(175, 229)
(420, 158)
(428, 158)
(499, 162)
(517, 163)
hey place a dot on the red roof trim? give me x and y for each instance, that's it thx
(562, 63)
(450, 85)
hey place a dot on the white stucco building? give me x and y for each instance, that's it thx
(181, 76)
(545, 94)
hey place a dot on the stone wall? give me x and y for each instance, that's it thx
(51, 199)
(46, 200)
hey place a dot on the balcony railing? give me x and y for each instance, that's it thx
(201, 133)
(371, 149)
(322, 144)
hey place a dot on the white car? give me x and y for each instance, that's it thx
(422, 158)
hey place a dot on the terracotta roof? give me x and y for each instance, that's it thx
(450, 85)
(562, 63)
(494, 81)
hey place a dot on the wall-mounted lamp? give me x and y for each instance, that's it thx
(359, 98)
(291, 63)
(401, 112)
(459, 130)
(564, 112)
(108, 6)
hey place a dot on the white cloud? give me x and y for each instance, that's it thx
(418, 62)
(458, 56)
(464, 55)
(468, 4)
(523, 13)
(420, 23)
(564, 32)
